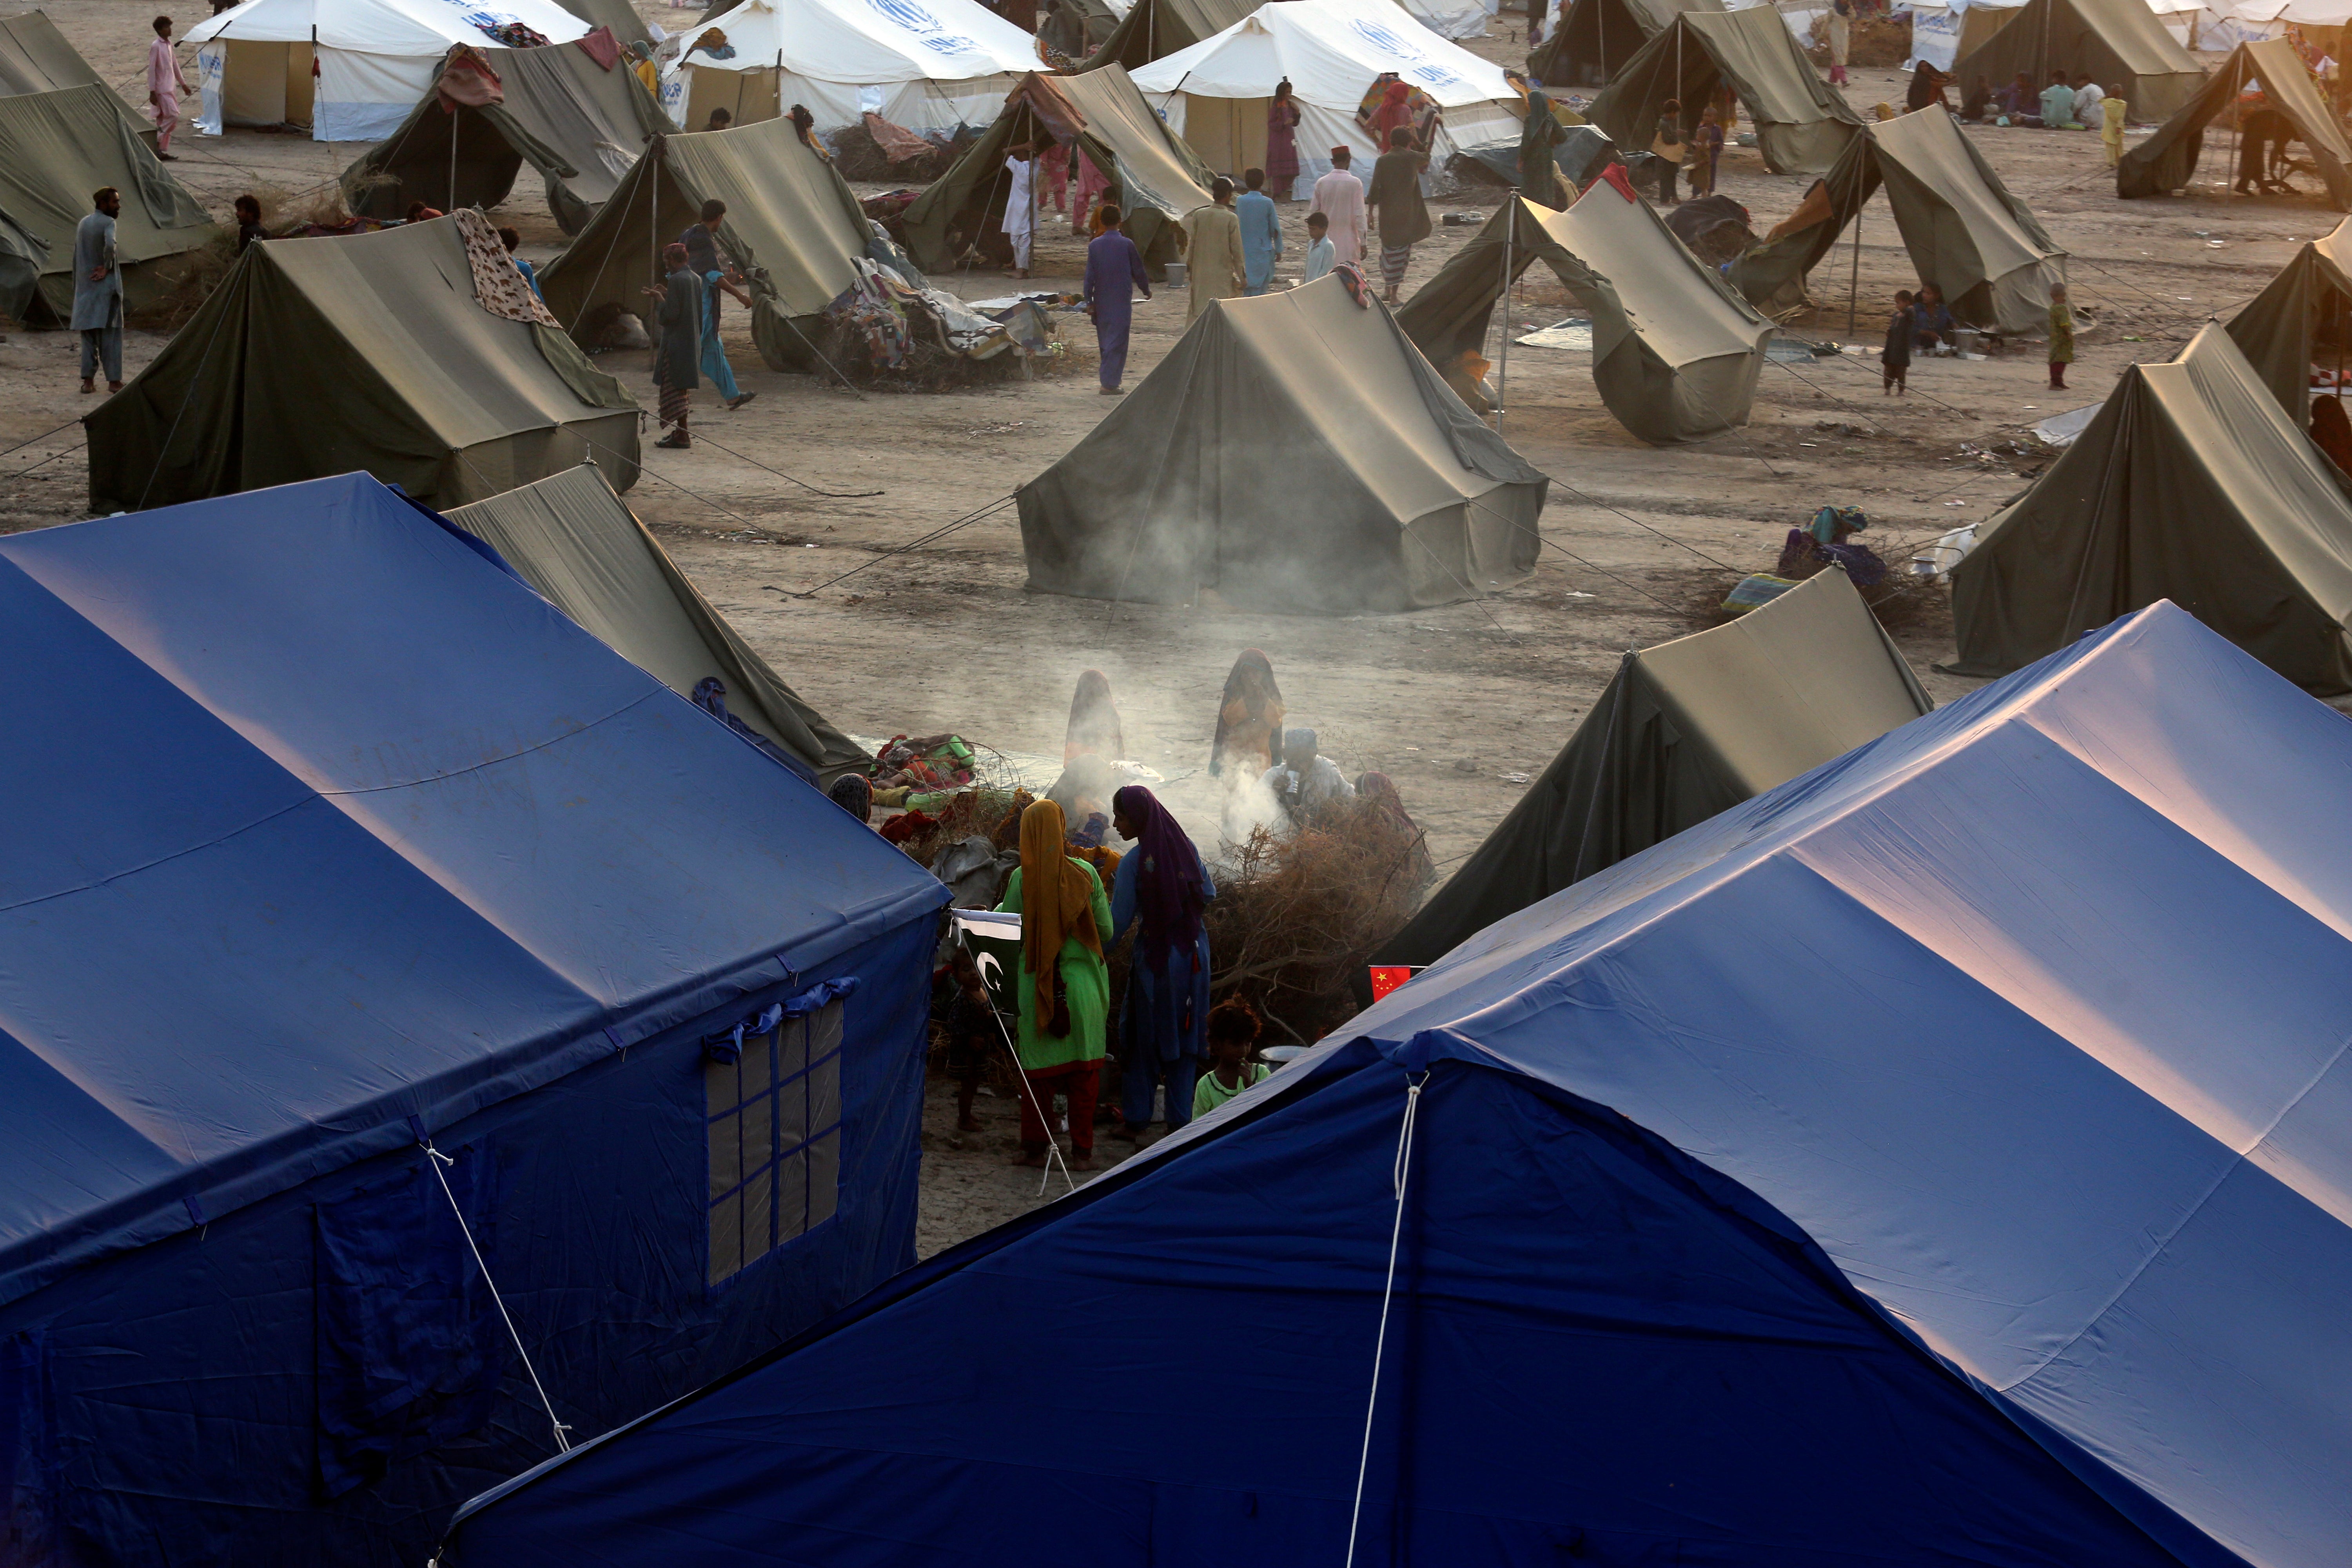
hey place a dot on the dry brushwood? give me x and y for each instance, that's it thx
(1296, 917)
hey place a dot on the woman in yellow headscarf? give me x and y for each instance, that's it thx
(1064, 987)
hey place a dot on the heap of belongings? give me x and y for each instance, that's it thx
(880, 324)
(1715, 228)
(921, 772)
(2292, 103)
(874, 149)
(1823, 542)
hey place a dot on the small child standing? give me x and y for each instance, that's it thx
(1894, 357)
(1233, 1030)
(2061, 337)
(1320, 252)
(1708, 142)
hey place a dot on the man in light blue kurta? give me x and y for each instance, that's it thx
(97, 293)
(1261, 232)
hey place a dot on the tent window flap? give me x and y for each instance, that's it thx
(775, 1117)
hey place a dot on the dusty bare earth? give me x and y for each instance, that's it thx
(1450, 703)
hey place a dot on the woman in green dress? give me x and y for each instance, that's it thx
(1063, 986)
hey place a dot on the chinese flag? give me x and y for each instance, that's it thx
(1387, 977)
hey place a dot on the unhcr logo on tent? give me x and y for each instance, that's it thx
(926, 27)
(1409, 60)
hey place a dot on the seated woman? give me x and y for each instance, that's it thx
(1934, 325)
(1978, 104)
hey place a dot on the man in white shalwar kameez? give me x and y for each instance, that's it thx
(1339, 198)
(1021, 207)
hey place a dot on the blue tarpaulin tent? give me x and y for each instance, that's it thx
(324, 834)
(1939, 1159)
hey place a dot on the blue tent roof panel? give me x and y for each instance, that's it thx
(2065, 977)
(353, 826)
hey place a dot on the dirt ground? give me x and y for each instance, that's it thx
(1459, 705)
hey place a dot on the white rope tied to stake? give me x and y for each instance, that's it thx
(1398, 1178)
(433, 1160)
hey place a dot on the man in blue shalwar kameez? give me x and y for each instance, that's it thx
(1261, 232)
(1114, 268)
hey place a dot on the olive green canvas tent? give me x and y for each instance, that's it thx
(1293, 453)
(2190, 484)
(580, 125)
(792, 224)
(2121, 42)
(1685, 730)
(36, 57)
(619, 15)
(1802, 124)
(55, 149)
(575, 542)
(1157, 178)
(2166, 161)
(1675, 353)
(1966, 233)
(2282, 329)
(368, 350)
(1154, 28)
(1597, 36)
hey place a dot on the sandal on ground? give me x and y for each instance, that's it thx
(675, 443)
(735, 402)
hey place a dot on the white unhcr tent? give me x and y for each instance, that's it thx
(374, 58)
(1938, 28)
(1214, 94)
(928, 64)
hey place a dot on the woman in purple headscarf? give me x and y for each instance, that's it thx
(1161, 1029)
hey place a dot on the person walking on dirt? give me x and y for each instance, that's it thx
(1213, 246)
(677, 358)
(164, 86)
(98, 293)
(1113, 270)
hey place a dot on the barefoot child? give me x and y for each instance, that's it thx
(2061, 337)
(1234, 1028)
(1894, 357)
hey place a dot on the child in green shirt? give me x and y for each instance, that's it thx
(1233, 1031)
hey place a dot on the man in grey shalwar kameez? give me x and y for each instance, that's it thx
(97, 293)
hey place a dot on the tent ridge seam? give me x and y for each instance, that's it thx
(638, 700)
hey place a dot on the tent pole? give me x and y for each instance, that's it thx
(1853, 285)
(1503, 377)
